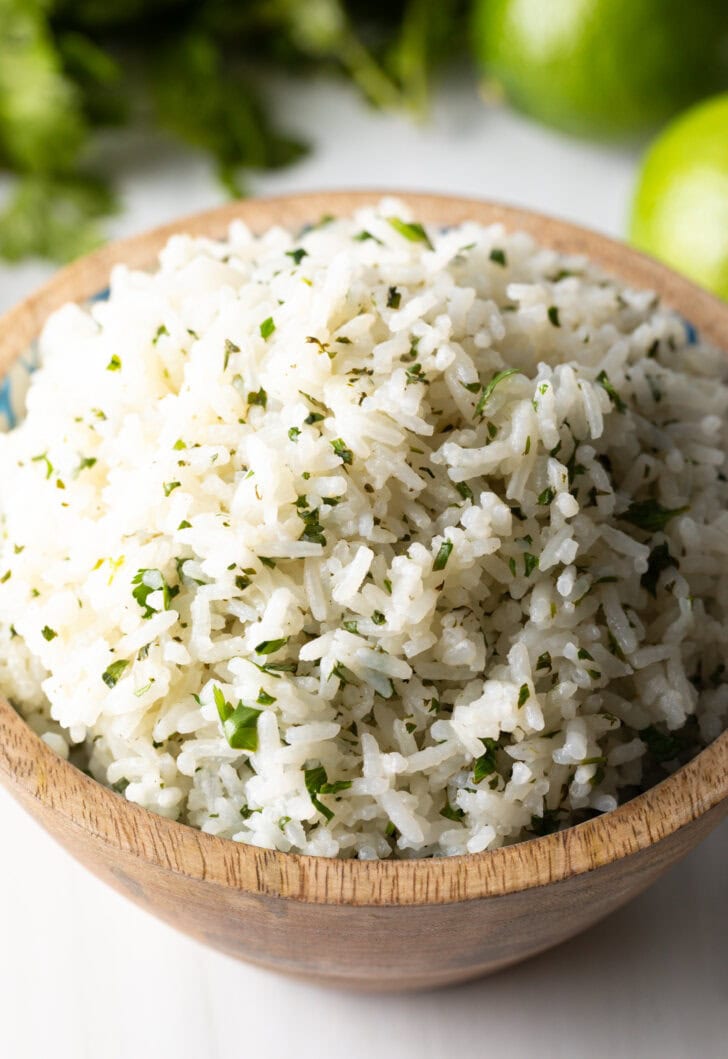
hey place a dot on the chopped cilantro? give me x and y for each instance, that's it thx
(264, 699)
(267, 328)
(650, 515)
(452, 812)
(498, 257)
(530, 563)
(230, 348)
(394, 298)
(619, 404)
(48, 634)
(345, 455)
(239, 723)
(524, 694)
(553, 314)
(147, 582)
(486, 764)
(114, 364)
(294, 433)
(111, 675)
(488, 390)
(411, 230)
(659, 560)
(258, 397)
(443, 555)
(269, 647)
(317, 782)
(169, 487)
(297, 255)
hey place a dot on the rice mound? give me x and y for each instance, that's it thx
(370, 540)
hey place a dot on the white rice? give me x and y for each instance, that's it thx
(474, 633)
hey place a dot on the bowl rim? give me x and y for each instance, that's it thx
(57, 791)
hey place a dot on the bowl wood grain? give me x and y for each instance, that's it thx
(382, 925)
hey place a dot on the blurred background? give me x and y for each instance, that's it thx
(117, 115)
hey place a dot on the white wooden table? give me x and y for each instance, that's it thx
(83, 973)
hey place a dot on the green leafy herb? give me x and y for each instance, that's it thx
(294, 433)
(43, 458)
(267, 328)
(345, 455)
(650, 515)
(442, 556)
(114, 364)
(230, 348)
(546, 496)
(264, 699)
(553, 314)
(411, 230)
(317, 782)
(488, 390)
(111, 675)
(169, 487)
(530, 563)
(258, 397)
(161, 330)
(464, 490)
(147, 582)
(184, 524)
(544, 661)
(394, 298)
(269, 647)
(239, 723)
(48, 634)
(378, 618)
(297, 255)
(487, 763)
(524, 694)
(452, 812)
(619, 404)
(659, 560)
(498, 257)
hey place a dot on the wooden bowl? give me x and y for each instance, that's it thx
(381, 925)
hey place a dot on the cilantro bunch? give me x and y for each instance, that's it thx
(193, 69)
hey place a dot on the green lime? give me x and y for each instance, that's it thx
(680, 208)
(603, 68)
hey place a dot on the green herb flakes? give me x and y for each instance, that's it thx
(345, 455)
(651, 516)
(297, 255)
(114, 364)
(524, 694)
(488, 390)
(411, 230)
(267, 328)
(111, 675)
(486, 764)
(317, 782)
(48, 634)
(239, 723)
(553, 315)
(498, 257)
(659, 560)
(147, 582)
(442, 556)
(269, 647)
(619, 404)
(394, 298)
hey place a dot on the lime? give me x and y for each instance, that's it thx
(604, 68)
(680, 208)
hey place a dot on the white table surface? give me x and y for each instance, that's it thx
(84, 973)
